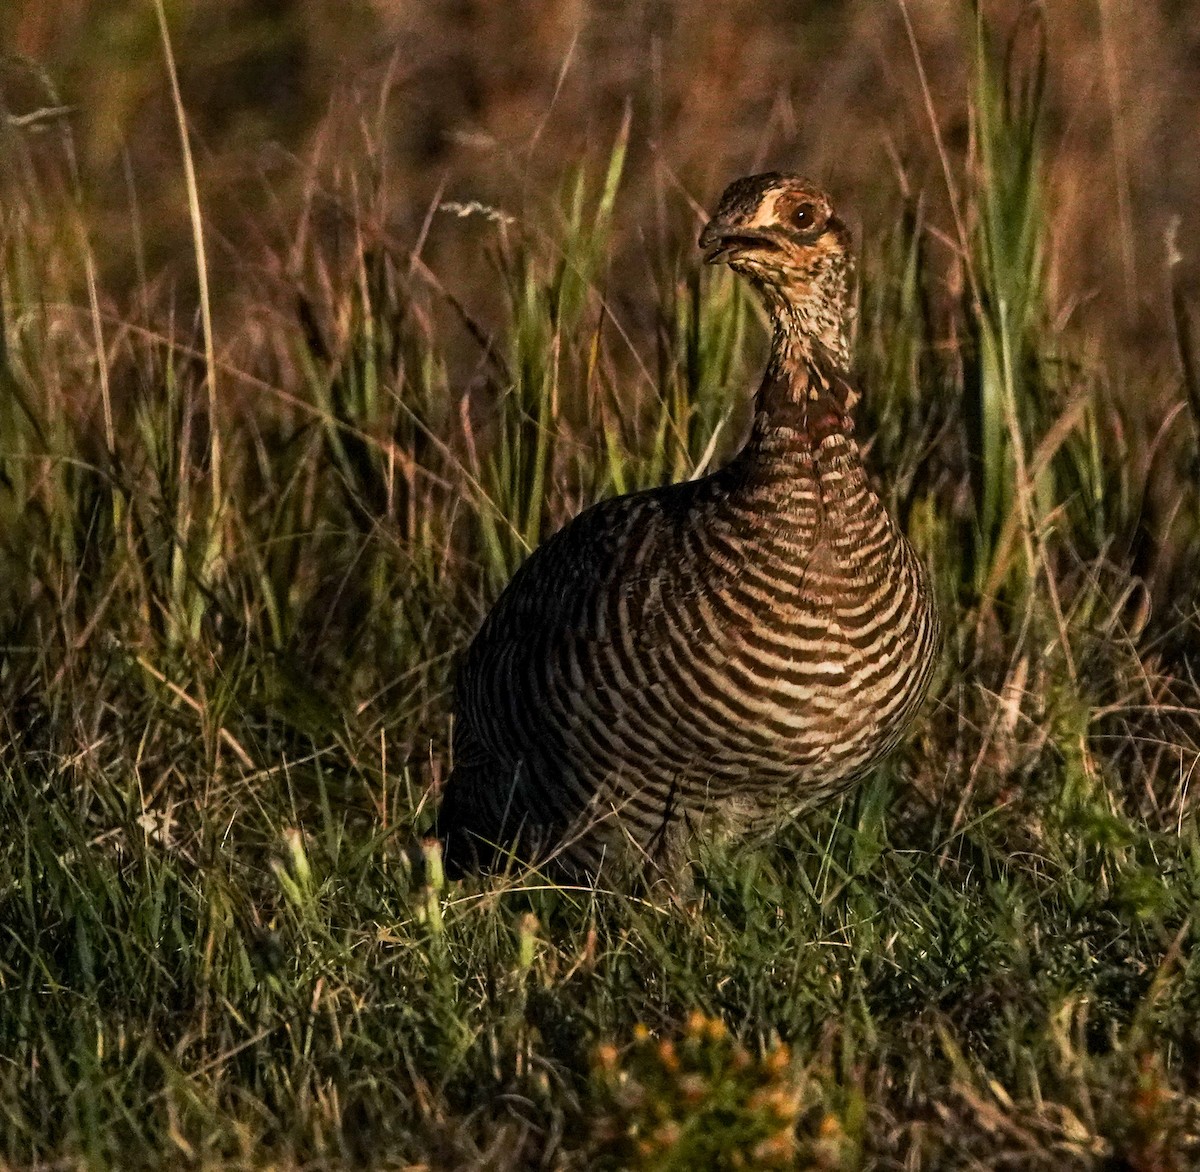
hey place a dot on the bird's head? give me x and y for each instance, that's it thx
(781, 232)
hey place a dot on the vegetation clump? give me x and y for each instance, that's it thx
(705, 1102)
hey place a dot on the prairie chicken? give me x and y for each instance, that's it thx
(726, 651)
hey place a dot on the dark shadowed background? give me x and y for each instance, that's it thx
(493, 100)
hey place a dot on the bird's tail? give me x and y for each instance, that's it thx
(461, 827)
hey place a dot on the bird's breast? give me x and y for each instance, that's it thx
(768, 639)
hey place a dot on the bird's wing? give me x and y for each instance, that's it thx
(554, 597)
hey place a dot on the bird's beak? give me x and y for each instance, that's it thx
(723, 241)
(714, 233)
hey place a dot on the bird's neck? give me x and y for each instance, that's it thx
(805, 397)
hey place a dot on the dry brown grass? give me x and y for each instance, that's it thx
(483, 99)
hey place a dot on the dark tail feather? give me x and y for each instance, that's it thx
(476, 836)
(467, 832)
(459, 854)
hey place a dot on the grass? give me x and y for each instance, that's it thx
(223, 723)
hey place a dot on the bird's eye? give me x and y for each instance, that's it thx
(805, 216)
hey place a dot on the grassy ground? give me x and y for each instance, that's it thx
(232, 591)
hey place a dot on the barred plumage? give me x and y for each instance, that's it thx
(730, 649)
